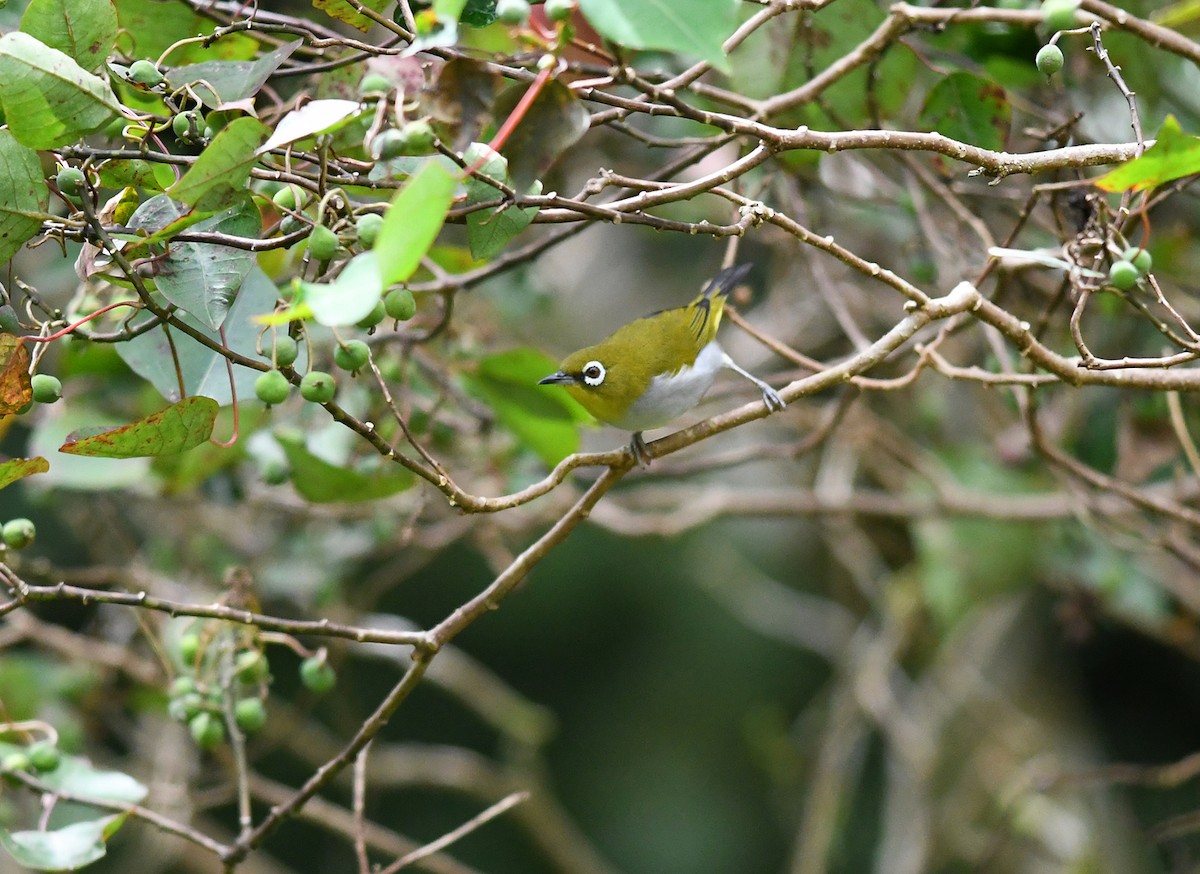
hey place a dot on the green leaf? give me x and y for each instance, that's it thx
(553, 123)
(78, 776)
(321, 482)
(119, 173)
(222, 169)
(178, 428)
(478, 13)
(698, 27)
(1173, 156)
(344, 11)
(349, 298)
(412, 222)
(24, 197)
(220, 83)
(489, 230)
(19, 468)
(84, 29)
(206, 372)
(152, 26)
(49, 100)
(970, 109)
(64, 849)
(202, 278)
(547, 422)
(314, 117)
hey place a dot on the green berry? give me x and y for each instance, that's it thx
(1049, 60)
(70, 180)
(318, 387)
(15, 761)
(182, 685)
(291, 225)
(559, 10)
(1140, 257)
(1059, 14)
(388, 144)
(400, 304)
(251, 666)
(44, 756)
(286, 350)
(207, 730)
(185, 707)
(1123, 275)
(514, 12)
(189, 647)
(287, 197)
(418, 137)
(250, 714)
(46, 388)
(351, 355)
(188, 125)
(316, 674)
(272, 387)
(374, 83)
(322, 243)
(367, 228)
(145, 72)
(18, 533)
(374, 317)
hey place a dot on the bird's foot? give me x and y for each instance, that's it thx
(772, 399)
(641, 452)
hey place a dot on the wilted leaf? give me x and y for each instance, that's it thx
(698, 27)
(970, 109)
(24, 197)
(178, 428)
(1173, 156)
(84, 29)
(321, 482)
(14, 374)
(412, 222)
(49, 100)
(19, 468)
(553, 124)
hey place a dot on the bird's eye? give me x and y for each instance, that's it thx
(593, 373)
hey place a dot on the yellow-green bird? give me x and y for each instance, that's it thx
(655, 369)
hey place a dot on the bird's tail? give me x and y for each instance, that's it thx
(708, 306)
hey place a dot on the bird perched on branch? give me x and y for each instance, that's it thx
(655, 369)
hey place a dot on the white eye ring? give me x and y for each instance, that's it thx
(593, 373)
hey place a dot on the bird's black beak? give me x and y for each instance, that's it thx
(557, 378)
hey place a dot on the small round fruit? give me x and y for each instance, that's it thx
(318, 387)
(1140, 257)
(374, 83)
(400, 304)
(18, 533)
(1123, 275)
(15, 761)
(207, 730)
(188, 125)
(185, 707)
(374, 317)
(70, 180)
(182, 685)
(272, 387)
(352, 355)
(316, 674)
(322, 243)
(559, 10)
(1049, 60)
(388, 144)
(46, 388)
(251, 666)
(286, 197)
(1059, 14)
(287, 350)
(189, 647)
(44, 756)
(291, 225)
(145, 72)
(514, 12)
(367, 228)
(250, 714)
(418, 137)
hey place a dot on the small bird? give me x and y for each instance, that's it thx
(656, 368)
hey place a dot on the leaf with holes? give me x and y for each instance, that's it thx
(178, 428)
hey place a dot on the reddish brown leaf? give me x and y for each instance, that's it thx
(14, 374)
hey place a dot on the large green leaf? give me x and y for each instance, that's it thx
(349, 298)
(546, 422)
(970, 109)
(64, 849)
(219, 83)
(489, 230)
(49, 100)
(24, 197)
(206, 372)
(178, 428)
(220, 173)
(84, 29)
(412, 222)
(1173, 156)
(202, 278)
(319, 481)
(697, 27)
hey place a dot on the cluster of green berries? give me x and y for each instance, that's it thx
(18, 533)
(1134, 263)
(40, 757)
